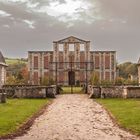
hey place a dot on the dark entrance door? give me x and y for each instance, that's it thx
(71, 77)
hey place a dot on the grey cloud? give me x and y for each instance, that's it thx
(108, 33)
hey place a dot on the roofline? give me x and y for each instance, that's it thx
(103, 51)
(69, 37)
(3, 64)
(38, 51)
(80, 51)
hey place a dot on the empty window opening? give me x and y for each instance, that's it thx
(71, 47)
(61, 47)
(82, 47)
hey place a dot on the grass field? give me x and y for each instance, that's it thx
(11, 61)
(16, 111)
(68, 90)
(126, 112)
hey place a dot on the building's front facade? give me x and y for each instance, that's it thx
(2, 70)
(49, 63)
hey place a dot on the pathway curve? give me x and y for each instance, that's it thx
(75, 117)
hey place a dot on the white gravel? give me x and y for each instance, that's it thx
(75, 117)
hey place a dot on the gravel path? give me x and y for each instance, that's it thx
(75, 117)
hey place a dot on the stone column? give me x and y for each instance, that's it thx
(87, 56)
(55, 56)
(87, 51)
(77, 52)
(31, 64)
(55, 51)
(66, 48)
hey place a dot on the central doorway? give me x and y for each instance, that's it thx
(71, 77)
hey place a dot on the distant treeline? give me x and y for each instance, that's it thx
(126, 69)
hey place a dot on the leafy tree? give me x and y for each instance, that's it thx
(11, 80)
(25, 74)
(95, 78)
(126, 69)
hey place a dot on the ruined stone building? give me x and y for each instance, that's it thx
(43, 63)
(2, 70)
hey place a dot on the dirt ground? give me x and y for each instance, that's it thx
(75, 117)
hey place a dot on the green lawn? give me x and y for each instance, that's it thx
(10, 61)
(68, 89)
(17, 111)
(126, 112)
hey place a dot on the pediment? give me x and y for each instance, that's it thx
(71, 39)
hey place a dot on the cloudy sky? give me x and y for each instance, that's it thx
(27, 25)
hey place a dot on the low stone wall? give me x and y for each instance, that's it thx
(131, 92)
(30, 91)
(94, 92)
(114, 92)
(51, 91)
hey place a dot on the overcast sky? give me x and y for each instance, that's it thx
(27, 25)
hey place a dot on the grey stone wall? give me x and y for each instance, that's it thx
(131, 92)
(114, 92)
(30, 91)
(94, 92)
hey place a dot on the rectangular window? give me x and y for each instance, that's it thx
(112, 62)
(97, 62)
(61, 76)
(61, 47)
(36, 78)
(71, 47)
(35, 62)
(46, 62)
(82, 76)
(107, 61)
(82, 47)
(61, 61)
(82, 60)
(107, 75)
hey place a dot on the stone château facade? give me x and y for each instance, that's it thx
(2, 70)
(49, 63)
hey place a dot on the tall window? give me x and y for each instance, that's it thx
(35, 62)
(82, 59)
(71, 47)
(82, 48)
(107, 61)
(46, 62)
(61, 60)
(97, 61)
(36, 78)
(61, 47)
